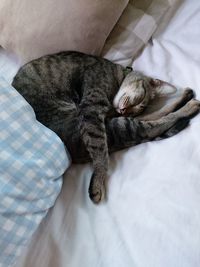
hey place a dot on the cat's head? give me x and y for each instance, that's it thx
(137, 90)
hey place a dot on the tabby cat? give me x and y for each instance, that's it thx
(77, 96)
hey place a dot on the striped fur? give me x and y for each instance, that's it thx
(72, 94)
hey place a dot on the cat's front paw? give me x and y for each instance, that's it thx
(191, 109)
(97, 188)
(188, 94)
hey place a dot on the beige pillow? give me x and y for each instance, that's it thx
(32, 28)
(135, 27)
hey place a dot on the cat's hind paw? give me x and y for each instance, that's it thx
(97, 190)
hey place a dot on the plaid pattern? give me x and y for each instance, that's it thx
(8, 65)
(32, 160)
(134, 29)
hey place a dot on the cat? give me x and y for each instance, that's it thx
(88, 101)
(137, 90)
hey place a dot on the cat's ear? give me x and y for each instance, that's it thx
(162, 88)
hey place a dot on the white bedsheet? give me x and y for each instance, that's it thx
(152, 216)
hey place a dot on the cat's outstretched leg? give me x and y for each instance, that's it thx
(93, 134)
(187, 95)
(123, 132)
(158, 127)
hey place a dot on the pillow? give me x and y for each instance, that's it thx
(32, 29)
(138, 22)
(32, 161)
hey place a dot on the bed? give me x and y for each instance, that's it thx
(152, 215)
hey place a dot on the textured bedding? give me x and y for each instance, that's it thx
(32, 162)
(9, 65)
(133, 30)
(152, 216)
(32, 29)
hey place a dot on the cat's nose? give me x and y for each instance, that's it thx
(122, 111)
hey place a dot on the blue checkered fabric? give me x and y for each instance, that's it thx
(32, 161)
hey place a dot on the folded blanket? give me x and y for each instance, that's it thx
(32, 161)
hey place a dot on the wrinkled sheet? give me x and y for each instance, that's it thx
(152, 216)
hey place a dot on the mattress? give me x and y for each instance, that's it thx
(152, 215)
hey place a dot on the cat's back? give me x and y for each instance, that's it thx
(53, 70)
(66, 76)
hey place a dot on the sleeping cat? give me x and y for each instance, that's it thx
(78, 97)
